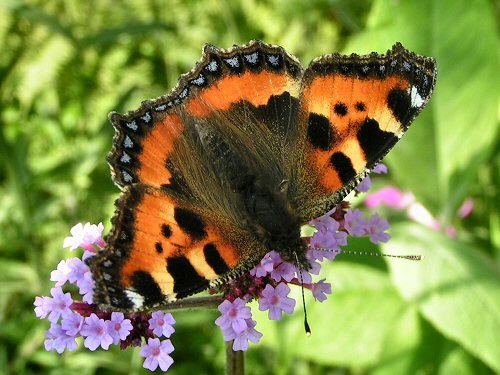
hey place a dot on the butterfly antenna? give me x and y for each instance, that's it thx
(301, 279)
(369, 253)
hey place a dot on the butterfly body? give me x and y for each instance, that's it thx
(247, 148)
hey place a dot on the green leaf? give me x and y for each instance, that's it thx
(454, 287)
(460, 362)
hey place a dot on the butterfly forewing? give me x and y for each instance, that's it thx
(355, 108)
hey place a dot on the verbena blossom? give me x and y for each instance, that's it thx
(157, 353)
(162, 324)
(85, 236)
(96, 333)
(276, 300)
(268, 283)
(366, 183)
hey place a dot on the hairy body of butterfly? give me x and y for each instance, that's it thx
(247, 148)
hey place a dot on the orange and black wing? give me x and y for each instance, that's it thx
(162, 248)
(183, 162)
(354, 109)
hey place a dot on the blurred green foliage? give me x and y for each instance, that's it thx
(65, 64)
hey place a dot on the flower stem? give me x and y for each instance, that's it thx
(192, 303)
(235, 360)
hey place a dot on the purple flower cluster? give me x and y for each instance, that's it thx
(71, 319)
(268, 283)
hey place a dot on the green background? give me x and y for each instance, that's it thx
(65, 64)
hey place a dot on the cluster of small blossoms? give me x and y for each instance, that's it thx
(71, 319)
(268, 283)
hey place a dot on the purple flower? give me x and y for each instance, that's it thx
(86, 287)
(364, 185)
(325, 222)
(376, 229)
(234, 315)
(391, 197)
(42, 307)
(354, 223)
(157, 353)
(265, 266)
(466, 208)
(77, 270)
(276, 300)
(85, 237)
(118, 327)
(248, 334)
(56, 306)
(60, 275)
(96, 333)
(162, 324)
(328, 237)
(58, 339)
(283, 270)
(380, 168)
(72, 323)
(320, 289)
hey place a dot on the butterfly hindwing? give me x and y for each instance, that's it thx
(355, 108)
(162, 249)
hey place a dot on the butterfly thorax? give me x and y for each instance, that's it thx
(275, 221)
(263, 197)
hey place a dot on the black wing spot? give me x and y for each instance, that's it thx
(185, 276)
(190, 223)
(360, 107)
(374, 141)
(340, 109)
(214, 259)
(159, 247)
(320, 132)
(399, 102)
(343, 166)
(144, 284)
(166, 230)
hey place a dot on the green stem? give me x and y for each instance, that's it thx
(235, 360)
(191, 303)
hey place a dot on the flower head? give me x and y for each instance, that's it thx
(118, 327)
(364, 185)
(391, 197)
(96, 333)
(157, 353)
(72, 323)
(276, 300)
(320, 289)
(85, 236)
(58, 339)
(328, 236)
(376, 229)
(162, 324)
(234, 315)
(242, 338)
(57, 305)
(354, 223)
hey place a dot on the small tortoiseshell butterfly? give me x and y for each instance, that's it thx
(247, 148)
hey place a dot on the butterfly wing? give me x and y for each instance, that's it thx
(162, 248)
(186, 164)
(354, 109)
